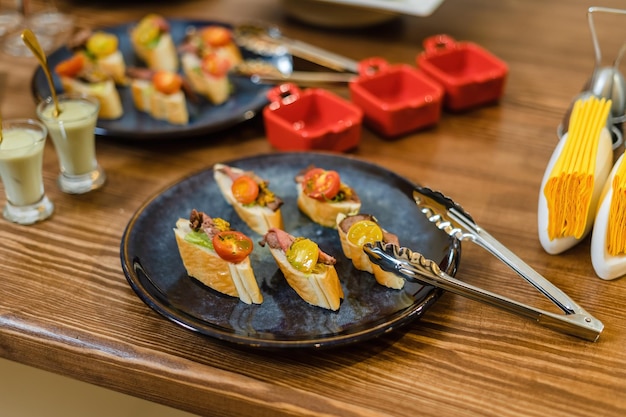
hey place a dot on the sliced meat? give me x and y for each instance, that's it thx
(202, 221)
(346, 223)
(279, 239)
(350, 220)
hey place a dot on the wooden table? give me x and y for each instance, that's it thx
(66, 306)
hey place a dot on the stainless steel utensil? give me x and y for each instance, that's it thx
(263, 38)
(605, 81)
(449, 217)
(262, 72)
(30, 39)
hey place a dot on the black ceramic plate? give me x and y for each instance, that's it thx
(247, 100)
(155, 271)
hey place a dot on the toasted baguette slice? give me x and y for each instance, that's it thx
(258, 218)
(325, 212)
(141, 90)
(236, 280)
(322, 289)
(218, 40)
(361, 261)
(230, 52)
(161, 56)
(104, 91)
(114, 66)
(215, 88)
(169, 107)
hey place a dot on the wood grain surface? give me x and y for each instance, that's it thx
(65, 304)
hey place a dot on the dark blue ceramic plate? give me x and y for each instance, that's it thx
(153, 267)
(205, 118)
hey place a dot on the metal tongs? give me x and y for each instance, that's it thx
(267, 39)
(449, 217)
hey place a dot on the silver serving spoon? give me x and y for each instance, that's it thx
(30, 40)
(452, 219)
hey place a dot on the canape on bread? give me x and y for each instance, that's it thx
(153, 43)
(217, 256)
(212, 39)
(250, 196)
(79, 75)
(159, 93)
(102, 49)
(308, 270)
(208, 76)
(322, 196)
(357, 230)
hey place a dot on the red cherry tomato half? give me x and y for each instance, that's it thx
(71, 66)
(216, 36)
(321, 184)
(232, 246)
(245, 189)
(215, 65)
(167, 82)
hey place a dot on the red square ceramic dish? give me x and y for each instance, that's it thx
(470, 75)
(395, 99)
(311, 119)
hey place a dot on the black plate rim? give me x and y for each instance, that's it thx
(384, 325)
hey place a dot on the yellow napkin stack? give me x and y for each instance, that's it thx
(616, 235)
(575, 175)
(608, 242)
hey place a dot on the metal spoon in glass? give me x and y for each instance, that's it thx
(30, 39)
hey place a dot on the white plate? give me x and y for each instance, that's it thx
(356, 13)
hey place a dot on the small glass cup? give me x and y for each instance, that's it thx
(21, 166)
(73, 135)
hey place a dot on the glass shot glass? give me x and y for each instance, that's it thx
(73, 135)
(21, 166)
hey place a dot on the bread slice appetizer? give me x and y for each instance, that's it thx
(102, 49)
(217, 256)
(212, 39)
(153, 43)
(79, 75)
(208, 76)
(250, 196)
(307, 269)
(322, 196)
(357, 230)
(159, 94)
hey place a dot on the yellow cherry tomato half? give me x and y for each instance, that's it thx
(245, 189)
(232, 246)
(148, 30)
(365, 231)
(303, 254)
(102, 44)
(321, 184)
